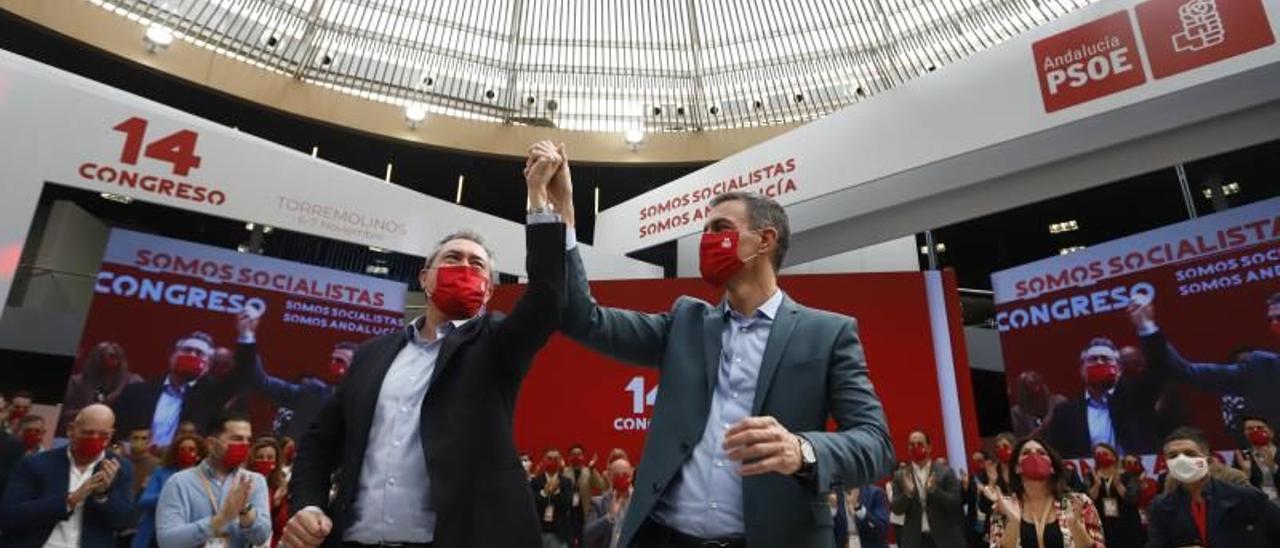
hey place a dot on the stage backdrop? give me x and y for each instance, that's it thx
(573, 395)
(152, 290)
(1209, 279)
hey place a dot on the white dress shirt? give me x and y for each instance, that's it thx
(921, 477)
(393, 498)
(168, 413)
(1101, 430)
(67, 533)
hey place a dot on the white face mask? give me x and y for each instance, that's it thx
(1187, 469)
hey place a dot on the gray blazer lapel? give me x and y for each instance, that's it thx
(712, 331)
(783, 325)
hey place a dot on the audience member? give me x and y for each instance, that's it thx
(216, 501)
(74, 498)
(102, 380)
(139, 455)
(11, 451)
(1041, 512)
(183, 453)
(187, 428)
(19, 407)
(1260, 461)
(526, 462)
(870, 510)
(1115, 492)
(587, 482)
(1205, 511)
(928, 496)
(288, 450)
(971, 485)
(265, 457)
(553, 495)
(615, 454)
(609, 508)
(31, 431)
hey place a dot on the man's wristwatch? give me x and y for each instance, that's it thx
(808, 459)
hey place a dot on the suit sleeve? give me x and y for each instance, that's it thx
(1163, 357)
(320, 450)
(221, 391)
(25, 507)
(948, 490)
(1157, 529)
(280, 391)
(630, 336)
(859, 451)
(901, 503)
(151, 493)
(536, 316)
(876, 520)
(598, 530)
(117, 509)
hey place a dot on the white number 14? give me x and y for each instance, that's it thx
(639, 398)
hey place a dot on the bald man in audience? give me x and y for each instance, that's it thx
(77, 497)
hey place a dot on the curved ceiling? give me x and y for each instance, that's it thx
(602, 65)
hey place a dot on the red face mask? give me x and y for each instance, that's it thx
(111, 364)
(1275, 328)
(235, 455)
(1004, 454)
(918, 452)
(189, 366)
(88, 448)
(1258, 437)
(1102, 377)
(718, 257)
(977, 465)
(576, 461)
(1104, 459)
(1037, 467)
(31, 439)
(621, 482)
(460, 291)
(187, 458)
(335, 371)
(551, 466)
(264, 467)
(1134, 468)
(17, 413)
(290, 452)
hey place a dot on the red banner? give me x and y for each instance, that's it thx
(153, 291)
(573, 395)
(1209, 281)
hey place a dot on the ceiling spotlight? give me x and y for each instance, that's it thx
(158, 37)
(414, 114)
(860, 92)
(426, 81)
(270, 40)
(490, 94)
(634, 137)
(530, 101)
(758, 104)
(553, 105)
(714, 110)
(679, 111)
(657, 111)
(799, 97)
(324, 60)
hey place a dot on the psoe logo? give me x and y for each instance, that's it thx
(1202, 26)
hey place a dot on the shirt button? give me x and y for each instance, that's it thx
(737, 360)
(391, 481)
(719, 464)
(726, 426)
(714, 506)
(404, 409)
(395, 443)
(413, 377)
(391, 520)
(735, 395)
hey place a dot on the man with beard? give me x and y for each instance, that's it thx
(1257, 379)
(297, 403)
(1033, 411)
(1111, 409)
(186, 393)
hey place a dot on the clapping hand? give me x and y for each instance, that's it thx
(105, 476)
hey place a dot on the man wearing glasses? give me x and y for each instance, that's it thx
(186, 393)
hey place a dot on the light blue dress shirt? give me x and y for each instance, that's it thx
(705, 500)
(1099, 417)
(184, 512)
(164, 424)
(393, 500)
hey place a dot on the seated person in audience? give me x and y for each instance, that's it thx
(609, 508)
(77, 497)
(1041, 512)
(216, 501)
(1259, 461)
(1116, 495)
(1204, 511)
(183, 453)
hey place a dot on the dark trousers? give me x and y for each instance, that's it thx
(926, 541)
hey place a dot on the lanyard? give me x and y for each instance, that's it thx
(208, 492)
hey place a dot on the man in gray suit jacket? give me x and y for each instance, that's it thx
(738, 453)
(928, 494)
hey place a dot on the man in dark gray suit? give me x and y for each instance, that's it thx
(738, 452)
(928, 494)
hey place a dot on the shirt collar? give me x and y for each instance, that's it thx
(1106, 398)
(180, 389)
(767, 309)
(443, 330)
